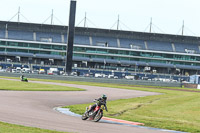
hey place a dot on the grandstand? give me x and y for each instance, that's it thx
(100, 48)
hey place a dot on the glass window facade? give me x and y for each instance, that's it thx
(102, 53)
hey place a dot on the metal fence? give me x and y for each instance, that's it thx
(92, 79)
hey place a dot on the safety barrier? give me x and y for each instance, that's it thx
(93, 79)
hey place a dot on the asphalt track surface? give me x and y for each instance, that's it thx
(35, 109)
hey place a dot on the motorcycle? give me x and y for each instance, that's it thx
(94, 115)
(24, 79)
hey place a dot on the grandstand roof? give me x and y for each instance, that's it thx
(98, 32)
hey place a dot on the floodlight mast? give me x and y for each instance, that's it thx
(150, 26)
(18, 15)
(52, 17)
(70, 37)
(183, 28)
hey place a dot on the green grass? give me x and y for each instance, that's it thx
(174, 110)
(126, 86)
(123, 86)
(27, 86)
(11, 128)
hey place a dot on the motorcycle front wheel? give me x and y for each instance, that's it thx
(84, 116)
(98, 116)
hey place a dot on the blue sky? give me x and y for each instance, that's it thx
(135, 15)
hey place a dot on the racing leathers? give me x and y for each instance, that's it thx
(99, 102)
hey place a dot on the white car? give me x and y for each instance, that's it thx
(2, 70)
(26, 70)
(111, 76)
(14, 71)
(129, 77)
(98, 75)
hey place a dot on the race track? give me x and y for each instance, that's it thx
(35, 109)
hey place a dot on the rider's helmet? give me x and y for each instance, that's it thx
(104, 97)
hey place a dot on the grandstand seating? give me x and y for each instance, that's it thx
(111, 61)
(100, 41)
(48, 56)
(98, 60)
(3, 53)
(186, 48)
(161, 65)
(111, 42)
(126, 43)
(137, 63)
(141, 63)
(17, 65)
(81, 40)
(20, 35)
(128, 62)
(65, 38)
(81, 58)
(159, 46)
(111, 49)
(188, 67)
(43, 36)
(4, 66)
(17, 54)
(2, 33)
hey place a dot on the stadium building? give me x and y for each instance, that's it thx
(100, 48)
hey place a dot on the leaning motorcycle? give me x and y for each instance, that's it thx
(24, 79)
(94, 115)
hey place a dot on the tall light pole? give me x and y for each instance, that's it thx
(70, 36)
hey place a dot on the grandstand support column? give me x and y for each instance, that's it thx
(70, 36)
(6, 31)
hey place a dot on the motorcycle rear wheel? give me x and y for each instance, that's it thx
(98, 116)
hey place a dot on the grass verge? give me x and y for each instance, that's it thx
(174, 110)
(11, 128)
(126, 86)
(27, 86)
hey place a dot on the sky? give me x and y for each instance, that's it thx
(134, 15)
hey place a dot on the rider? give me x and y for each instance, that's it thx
(22, 77)
(100, 101)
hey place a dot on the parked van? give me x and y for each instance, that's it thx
(41, 71)
(18, 69)
(53, 71)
